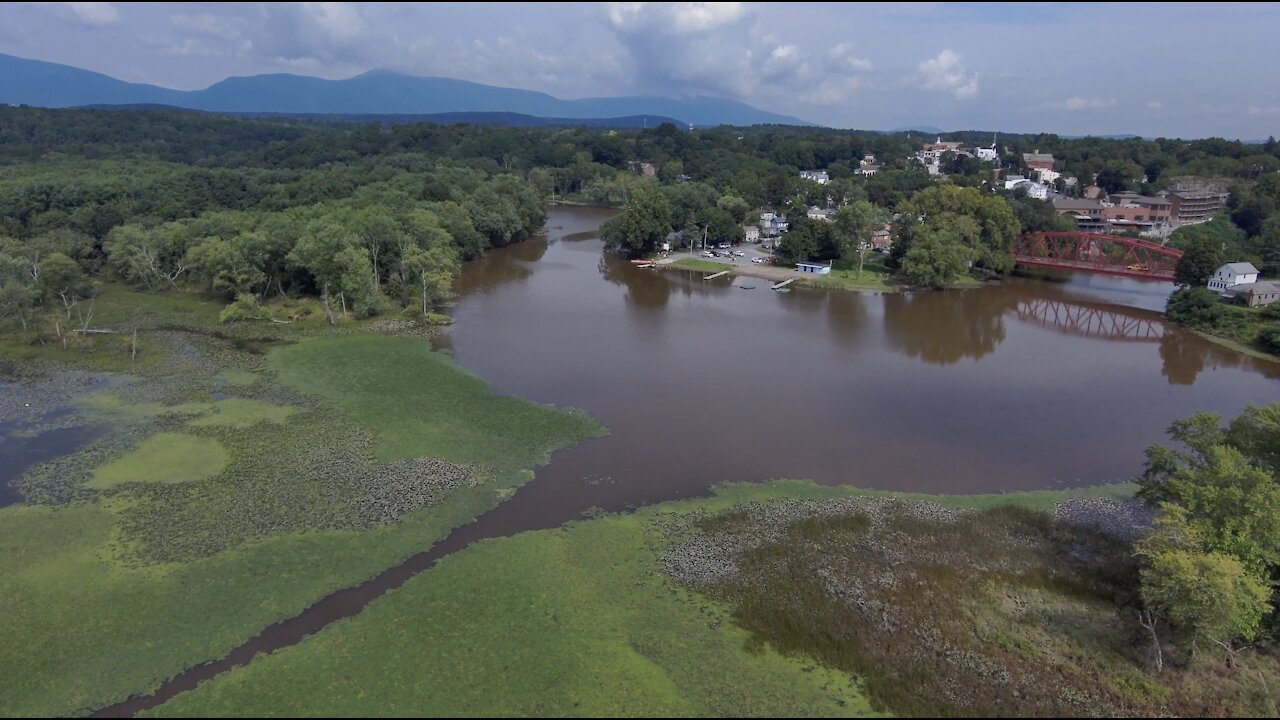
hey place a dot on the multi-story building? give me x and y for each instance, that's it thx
(1038, 160)
(1143, 213)
(1195, 205)
(818, 176)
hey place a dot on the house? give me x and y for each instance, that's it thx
(750, 233)
(772, 224)
(1046, 175)
(1037, 160)
(881, 241)
(868, 165)
(1231, 276)
(1033, 189)
(818, 176)
(1261, 293)
(815, 268)
(817, 213)
(932, 152)
(988, 154)
(647, 169)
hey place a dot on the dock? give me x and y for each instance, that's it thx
(713, 277)
(783, 284)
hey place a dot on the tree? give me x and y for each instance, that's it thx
(1198, 262)
(18, 293)
(854, 225)
(226, 265)
(432, 270)
(1206, 595)
(640, 227)
(1225, 482)
(322, 252)
(62, 278)
(939, 257)
(1194, 307)
(985, 225)
(148, 256)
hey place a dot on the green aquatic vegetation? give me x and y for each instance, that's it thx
(168, 458)
(419, 403)
(235, 377)
(601, 632)
(243, 413)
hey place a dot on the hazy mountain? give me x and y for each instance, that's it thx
(32, 82)
(503, 119)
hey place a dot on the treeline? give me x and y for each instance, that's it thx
(359, 236)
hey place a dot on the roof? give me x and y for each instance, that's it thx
(811, 264)
(1241, 268)
(1265, 286)
(1037, 157)
(1070, 204)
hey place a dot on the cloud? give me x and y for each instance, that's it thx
(1256, 110)
(678, 17)
(728, 49)
(96, 14)
(1079, 103)
(944, 73)
(1155, 104)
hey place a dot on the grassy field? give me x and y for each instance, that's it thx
(141, 577)
(576, 621)
(702, 265)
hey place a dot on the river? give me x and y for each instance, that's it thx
(1021, 385)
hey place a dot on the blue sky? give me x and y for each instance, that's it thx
(1193, 71)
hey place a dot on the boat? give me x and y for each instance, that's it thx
(747, 287)
(782, 289)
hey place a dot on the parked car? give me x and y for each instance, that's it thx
(708, 253)
(739, 253)
(758, 261)
(723, 246)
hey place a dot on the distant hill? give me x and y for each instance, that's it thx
(32, 82)
(501, 119)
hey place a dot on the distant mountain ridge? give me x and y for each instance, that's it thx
(380, 92)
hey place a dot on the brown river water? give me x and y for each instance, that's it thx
(1023, 385)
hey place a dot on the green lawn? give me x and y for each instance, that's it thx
(577, 621)
(702, 265)
(420, 404)
(164, 458)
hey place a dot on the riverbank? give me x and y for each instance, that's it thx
(784, 598)
(875, 277)
(122, 571)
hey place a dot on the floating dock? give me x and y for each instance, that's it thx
(713, 277)
(783, 284)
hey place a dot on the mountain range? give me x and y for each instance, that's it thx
(378, 92)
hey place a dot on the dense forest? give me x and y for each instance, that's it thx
(372, 215)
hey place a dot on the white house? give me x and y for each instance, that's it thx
(1046, 175)
(1034, 189)
(988, 154)
(1233, 275)
(750, 233)
(817, 213)
(818, 176)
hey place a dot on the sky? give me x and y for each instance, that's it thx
(1174, 70)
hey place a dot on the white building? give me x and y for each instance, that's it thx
(1034, 189)
(1232, 275)
(868, 165)
(817, 213)
(750, 233)
(818, 176)
(1046, 175)
(988, 154)
(815, 268)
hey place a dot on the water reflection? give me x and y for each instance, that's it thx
(944, 328)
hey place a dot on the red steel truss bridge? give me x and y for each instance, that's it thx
(1094, 252)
